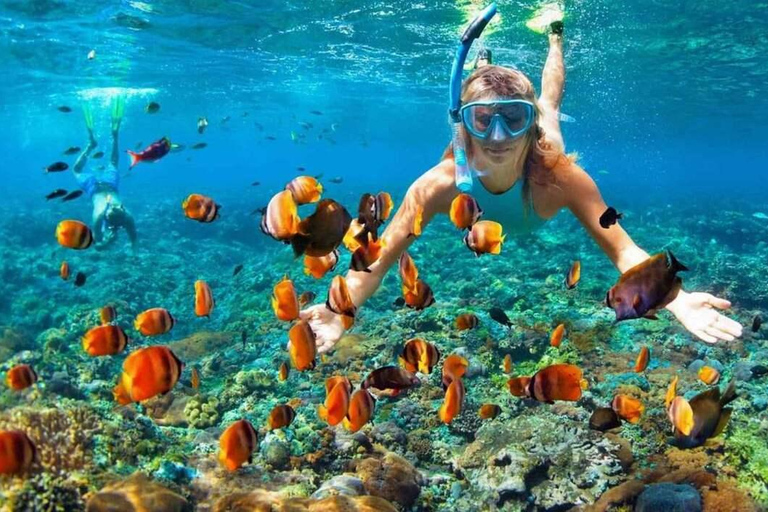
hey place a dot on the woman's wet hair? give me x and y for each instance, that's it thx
(492, 82)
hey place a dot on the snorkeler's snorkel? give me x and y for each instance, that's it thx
(473, 31)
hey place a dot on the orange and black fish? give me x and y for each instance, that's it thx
(339, 300)
(237, 444)
(283, 372)
(628, 408)
(285, 302)
(418, 222)
(709, 376)
(573, 276)
(306, 297)
(360, 412)
(671, 392)
(646, 287)
(680, 414)
(467, 321)
(200, 208)
(305, 189)
(353, 235)
(204, 302)
(485, 237)
(323, 231)
(373, 211)
(280, 416)
(108, 314)
(317, 267)
(604, 418)
(154, 322)
(642, 360)
(20, 377)
(710, 416)
(195, 378)
(409, 274)
(105, 340)
(556, 382)
(454, 367)
(303, 348)
(556, 338)
(488, 411)
(390, 381)
(280, 219)
(336, 405)
(73, 234)
(465, 211)
(17, 452)
(147, 372)
(367, 254)
(64, 270)
(421, 297)
(419, 355)
(454, 399)
(507, 363)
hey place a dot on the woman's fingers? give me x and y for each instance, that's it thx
(718, 302)
(729, 326)
(718, 333)
(704, 336)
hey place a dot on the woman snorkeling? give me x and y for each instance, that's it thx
(513, 142)
(101, 185)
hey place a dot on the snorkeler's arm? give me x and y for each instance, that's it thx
(433, 192)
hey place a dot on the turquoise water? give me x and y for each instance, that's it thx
(670, 122)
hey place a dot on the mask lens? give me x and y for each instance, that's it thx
(515, 116)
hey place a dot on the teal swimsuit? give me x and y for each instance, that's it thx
(507, 208)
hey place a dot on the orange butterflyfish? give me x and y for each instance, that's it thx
(508, 363)
(305, 189)
(409, 274)
(302, 349)
(467, 321)
(20, 377)
(280, 416)
(709, 375)
(336, 405)
(73, 234)
(204, 302)
(628, 408)
(318, 266)
(373, 210)
(147, 372)
(323, 231)
(283, 372)
(64, 270)
(641, 363)
(154, 322)
(367, 254)
(556, 338)
(465, 211)
(573, 275)
(339, 300)
(360, 412)
(352, 237)
(454, 398)
(419, 355)
(671, 392)
(485, 237)
(200, 208)
(488, 411)
(108, 314)
(105, 340)
(195, 379)
(680, 413)
(237, 444)
(331, 383)
(555, 382)
(454, 367)
(390, 381)
(347, 321)
(280, 219)
(418, 221)
(306, 297)
(17, 452)
(420, 297)
(285, 302)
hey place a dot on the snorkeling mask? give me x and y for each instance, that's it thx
(497, 120)
(473, 31)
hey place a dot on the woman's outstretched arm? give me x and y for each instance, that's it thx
(696, 311)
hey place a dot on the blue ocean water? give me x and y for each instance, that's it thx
(670, 120)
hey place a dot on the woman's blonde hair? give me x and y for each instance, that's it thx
(496, 82)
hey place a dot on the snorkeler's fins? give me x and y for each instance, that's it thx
(118, 107)
(88, 116)
(544, 17)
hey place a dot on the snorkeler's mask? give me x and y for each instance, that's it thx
(497, 120)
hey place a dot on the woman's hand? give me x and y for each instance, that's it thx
(698, 313)
(325, 324)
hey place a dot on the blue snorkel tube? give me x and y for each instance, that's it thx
(473, 31)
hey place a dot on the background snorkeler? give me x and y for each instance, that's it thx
(102, 184)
